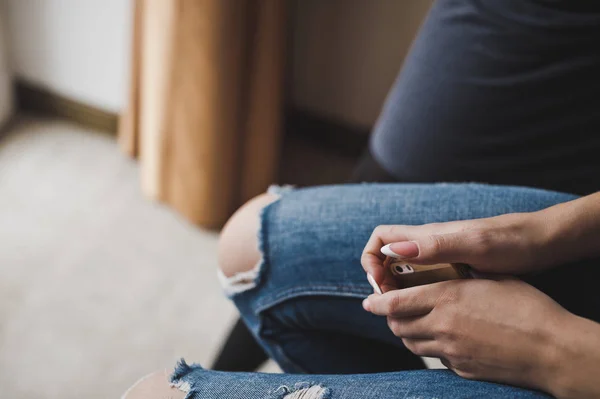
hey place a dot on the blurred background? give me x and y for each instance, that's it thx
(131, 130)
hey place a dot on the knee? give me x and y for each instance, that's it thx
(238, 243)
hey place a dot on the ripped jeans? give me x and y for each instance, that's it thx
(303, 300)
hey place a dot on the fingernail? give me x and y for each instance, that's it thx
(366, 304)
(404, 249)
(371, 281)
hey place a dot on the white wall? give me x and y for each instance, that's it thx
(76, 48)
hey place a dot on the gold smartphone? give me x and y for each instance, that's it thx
(409, 275)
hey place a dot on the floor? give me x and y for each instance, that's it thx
(98, 286)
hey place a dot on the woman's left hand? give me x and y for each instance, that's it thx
(503, 331)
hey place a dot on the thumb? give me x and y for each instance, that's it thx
(431, 249)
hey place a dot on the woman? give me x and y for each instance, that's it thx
(304, 299)
(498, 92)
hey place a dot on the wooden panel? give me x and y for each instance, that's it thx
(205, 104)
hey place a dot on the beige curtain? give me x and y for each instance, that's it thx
(205, 107)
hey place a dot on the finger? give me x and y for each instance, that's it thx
(407, 302)
(457, 247)
(372, 258)
(373, 266)
(376, 287)
(416, 327)
(423, 347)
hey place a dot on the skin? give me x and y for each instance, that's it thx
(237, 250)
(501, 330)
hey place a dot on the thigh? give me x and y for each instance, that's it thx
(311, 241)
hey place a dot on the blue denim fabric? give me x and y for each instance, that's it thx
(425, 384)
(306, 306)
(306, 309)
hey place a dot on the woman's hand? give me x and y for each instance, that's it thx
(509, 244)
(504, 331)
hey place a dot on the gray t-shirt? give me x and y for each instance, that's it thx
(498, 91)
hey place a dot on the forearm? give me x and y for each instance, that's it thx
(572, 229)
(576, 366)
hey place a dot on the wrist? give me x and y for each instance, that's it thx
(553, 242)
(572, 361)
(570, 231)
(540, 239)
(555, 355)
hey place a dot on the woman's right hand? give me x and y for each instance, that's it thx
(513, 244)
